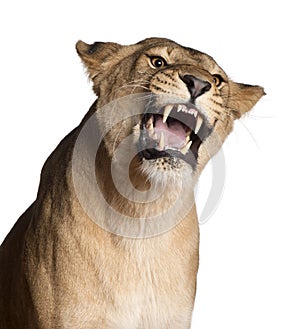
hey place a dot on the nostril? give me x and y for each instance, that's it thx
(196, 86)
(188, 80)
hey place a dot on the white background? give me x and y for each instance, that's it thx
(249, 251)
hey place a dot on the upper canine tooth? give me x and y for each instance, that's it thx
(161, 143)
(167, 111)
(198, 124)
(186, 147)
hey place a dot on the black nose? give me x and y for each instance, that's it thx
(196, 87)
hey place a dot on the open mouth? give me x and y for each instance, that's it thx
(175, 130)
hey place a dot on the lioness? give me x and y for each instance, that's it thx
(112, 238)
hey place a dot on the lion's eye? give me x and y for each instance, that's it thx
(218, 79)
(158, 62)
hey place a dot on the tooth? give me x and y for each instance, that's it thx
(149, 124)
(187, 138)
(198, 124)
(193, 112)
(186, 147)
(161, 143)
(180, 108)
(167, 111)
(150, 127)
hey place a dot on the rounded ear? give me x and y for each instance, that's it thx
(95, 55)
(243, 97)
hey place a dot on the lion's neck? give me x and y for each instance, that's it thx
(146, 207)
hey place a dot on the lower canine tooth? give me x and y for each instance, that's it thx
(198, 124)
(167, 111)
(185, 149)
(150, 127)
(161, 143)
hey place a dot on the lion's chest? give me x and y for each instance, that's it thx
(147, 284)
(156, 300)
(153, 292)
(143, 299)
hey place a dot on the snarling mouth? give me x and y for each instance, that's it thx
(175, 130)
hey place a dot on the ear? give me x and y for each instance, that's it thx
(95, 55)
(243, 97)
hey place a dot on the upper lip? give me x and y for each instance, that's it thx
(159, 124)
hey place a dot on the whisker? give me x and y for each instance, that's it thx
(249, 132)
(252, 116)
(134, 84)
(144, 96)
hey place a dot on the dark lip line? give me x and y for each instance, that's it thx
(188, 158)
(189, 105)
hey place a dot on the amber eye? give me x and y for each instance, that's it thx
(218, 79)
(158, 62)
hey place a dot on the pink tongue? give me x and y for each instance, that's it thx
(174, 133)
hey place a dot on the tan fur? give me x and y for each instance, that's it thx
(59, 269)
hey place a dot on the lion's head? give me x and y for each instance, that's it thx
(190, 108)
